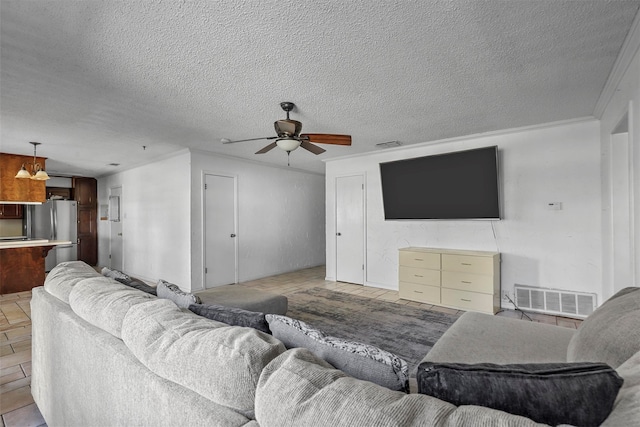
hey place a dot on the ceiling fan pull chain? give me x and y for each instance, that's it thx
(288, 154)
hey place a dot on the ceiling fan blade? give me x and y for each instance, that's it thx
(313, 148)
(327, 138)
(250, 139)
(267, 148)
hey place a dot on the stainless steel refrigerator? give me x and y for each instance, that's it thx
(55, 220)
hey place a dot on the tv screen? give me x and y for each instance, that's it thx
(457, 185)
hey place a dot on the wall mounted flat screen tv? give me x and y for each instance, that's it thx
(456, 185)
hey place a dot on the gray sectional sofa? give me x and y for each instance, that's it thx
(105, 354)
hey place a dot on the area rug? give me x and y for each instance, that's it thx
(406, 331)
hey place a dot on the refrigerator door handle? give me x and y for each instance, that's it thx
(54, 221)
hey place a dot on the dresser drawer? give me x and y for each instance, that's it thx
(420, 275)
(420, 259)
(467, 300)
(468, 264)
(467, 282)
(420, 293)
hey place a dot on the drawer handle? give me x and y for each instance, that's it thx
(417, 275)
(418, 259)
(464, 281)
(467, 300)
(466, 263)
(418, 292)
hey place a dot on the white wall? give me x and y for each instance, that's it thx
(280, 217)
(540, 247)
(155, 216)
(280, 225)
(625, 100)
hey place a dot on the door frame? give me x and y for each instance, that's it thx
(203, 225)
(624, 126)
(364, 221)
(120, 220)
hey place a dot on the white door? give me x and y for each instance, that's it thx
(220, 230)
(350, 229)
(116, 240)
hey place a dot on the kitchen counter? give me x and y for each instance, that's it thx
(10, 244)
(22, 263)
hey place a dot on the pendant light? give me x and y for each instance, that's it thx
(39, 174)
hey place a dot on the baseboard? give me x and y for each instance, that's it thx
(381, 286)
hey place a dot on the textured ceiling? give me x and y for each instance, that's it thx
(96, 81)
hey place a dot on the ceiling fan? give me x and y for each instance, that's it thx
(289, 137)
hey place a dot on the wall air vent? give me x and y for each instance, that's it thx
(555, 301)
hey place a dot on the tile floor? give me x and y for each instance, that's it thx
(17, 407)
(16, 404)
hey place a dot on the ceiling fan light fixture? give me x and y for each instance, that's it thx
(288, 144)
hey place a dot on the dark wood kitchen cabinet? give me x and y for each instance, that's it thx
(85, 192)
(10, 211)
(22, 269)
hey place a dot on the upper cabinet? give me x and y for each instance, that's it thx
(13, 189)
(85, 191)
(11, 212)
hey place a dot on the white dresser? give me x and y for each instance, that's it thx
(461, 279)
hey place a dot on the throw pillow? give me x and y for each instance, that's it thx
(125, 279)
(232, 316)
(138, 284)
(174, 293)
(362, 361)
(551, 393)
(114, 274)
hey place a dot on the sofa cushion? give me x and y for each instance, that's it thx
(221, 362)
(103, 302)
(64, 276)
(232, 316)
(125, 279)
(174, 293)
(85, 377)
(626, 409)
(299, 389)
(359, 360)
(611, 334)
(530, 390)
(494, 339)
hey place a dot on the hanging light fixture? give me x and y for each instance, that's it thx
(38, 173)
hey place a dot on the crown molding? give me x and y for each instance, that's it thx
(627, 53)
(468, 137)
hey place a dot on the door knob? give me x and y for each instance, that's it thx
(233, 235)
(119, 234)
(338, 234)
